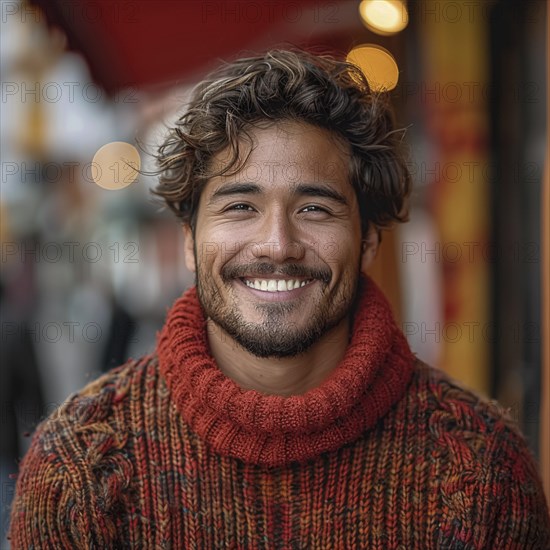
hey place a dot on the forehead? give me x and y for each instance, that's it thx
(285, 154)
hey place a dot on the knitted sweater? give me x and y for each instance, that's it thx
(386, 453)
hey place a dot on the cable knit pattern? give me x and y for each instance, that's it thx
(84, 468)
(387, 453)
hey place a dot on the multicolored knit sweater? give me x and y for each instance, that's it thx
(387, 453)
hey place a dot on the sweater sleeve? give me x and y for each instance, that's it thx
(522, 520)
(42, 508)
(63, 493)
(489, 485)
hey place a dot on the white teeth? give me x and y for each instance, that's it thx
(275, 285)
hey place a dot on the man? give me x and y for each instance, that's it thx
(282, 407)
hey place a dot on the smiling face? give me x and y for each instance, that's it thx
(277, 247)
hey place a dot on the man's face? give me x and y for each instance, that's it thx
(277, 249)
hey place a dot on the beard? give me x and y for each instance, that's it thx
(276, 336)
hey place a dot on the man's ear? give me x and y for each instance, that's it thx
(189, 248)
(369, 248)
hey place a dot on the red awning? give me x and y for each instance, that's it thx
(138, 43)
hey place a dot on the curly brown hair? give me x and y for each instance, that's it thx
(285, 85)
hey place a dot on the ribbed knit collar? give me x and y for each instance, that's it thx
(272, 430)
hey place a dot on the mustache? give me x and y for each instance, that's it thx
(288, 270)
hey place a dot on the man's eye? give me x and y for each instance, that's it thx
(314, 208)
(239, 206)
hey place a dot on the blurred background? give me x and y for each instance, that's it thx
(90, 263)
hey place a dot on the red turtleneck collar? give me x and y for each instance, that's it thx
(272, 430)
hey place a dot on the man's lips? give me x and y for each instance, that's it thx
(265, 271)
(276, 289)
(275, 283)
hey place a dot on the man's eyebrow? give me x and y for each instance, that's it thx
(307, 189)
(312, 190)
(235, 189)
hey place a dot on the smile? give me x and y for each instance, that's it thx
(276, 285)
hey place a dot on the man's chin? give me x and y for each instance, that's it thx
(276, 343)
(267, 350)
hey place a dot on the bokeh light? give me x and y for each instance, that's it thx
(377, 64)
(116, 165)
(384, 16)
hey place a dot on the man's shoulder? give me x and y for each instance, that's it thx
(445, 393)
(80, 452)
(476, 448)
(462, 418)
(100, 401)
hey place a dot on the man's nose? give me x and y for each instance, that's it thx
(277, 240)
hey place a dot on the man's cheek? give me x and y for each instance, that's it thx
(207, 252)
(221, 251)
(229, 249)
(330, 251)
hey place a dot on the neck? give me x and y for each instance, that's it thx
(272, 430)
(279, 376)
